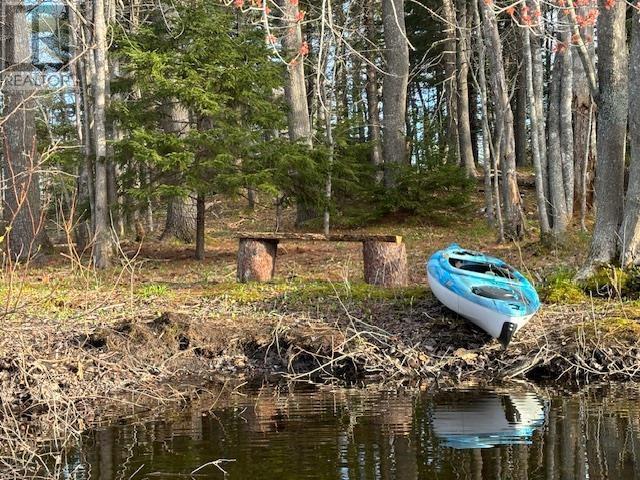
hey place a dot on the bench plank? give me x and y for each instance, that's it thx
(320, 237)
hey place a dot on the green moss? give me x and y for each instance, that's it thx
(561, 288)
(152, 290)
(308, 292)
(620, 328)
(610, 281)
(353, 291)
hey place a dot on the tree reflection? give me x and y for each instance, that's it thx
(369, 434)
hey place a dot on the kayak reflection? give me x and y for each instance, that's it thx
(485, 419)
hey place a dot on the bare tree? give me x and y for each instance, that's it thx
(492, 214)
(23, 215)
(373, 102)
(554, 149)
(462, 62)
(103, 243)
(84, 199)
(514, 216)
(394, 88)
(612, 100)
(583, 120)
(450, 88)
(296, 89)
(630, 232)
(566, 124)
(541, 199)
(537, 105)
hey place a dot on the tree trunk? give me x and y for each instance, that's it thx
(394, 89)
(462, 62)
(537, 69)
(541, 199)
(521, 119)
(514, 217)
(256, 260)
(147, 214)
(613, 71)
(385, 263)
(200, 226)
(181, 219)
(373, 102)
(566, 124)
(181, 210)
(103, 244)
(450, 88)
(630, 233)
(295, 90)
(486, 135)
(556, 183)
(21, 207)
(82, 220)
(583, 118)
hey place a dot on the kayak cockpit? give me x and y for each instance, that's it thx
(485, 268)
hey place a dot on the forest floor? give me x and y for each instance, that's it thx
(160, 327)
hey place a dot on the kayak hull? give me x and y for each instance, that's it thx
(499, 300)
(488, 320)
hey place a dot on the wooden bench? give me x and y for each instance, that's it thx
(385, 256)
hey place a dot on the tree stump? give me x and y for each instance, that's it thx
(256, 259)
(385, 263)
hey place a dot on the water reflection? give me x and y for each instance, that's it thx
(355, 434)
(484, 419)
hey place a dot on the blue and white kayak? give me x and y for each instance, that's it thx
(485, 290)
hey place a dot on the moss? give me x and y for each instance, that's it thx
(152, 290)
(560, 288)
(606, 282)
(620, 328)
(300, 291)
(610, 281)
(353, 291)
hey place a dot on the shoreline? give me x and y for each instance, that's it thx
(53, 378)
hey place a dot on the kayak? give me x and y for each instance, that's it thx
(483, 289)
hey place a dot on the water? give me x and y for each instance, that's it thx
(503, 433)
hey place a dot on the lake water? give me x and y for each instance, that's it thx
(515, 432)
